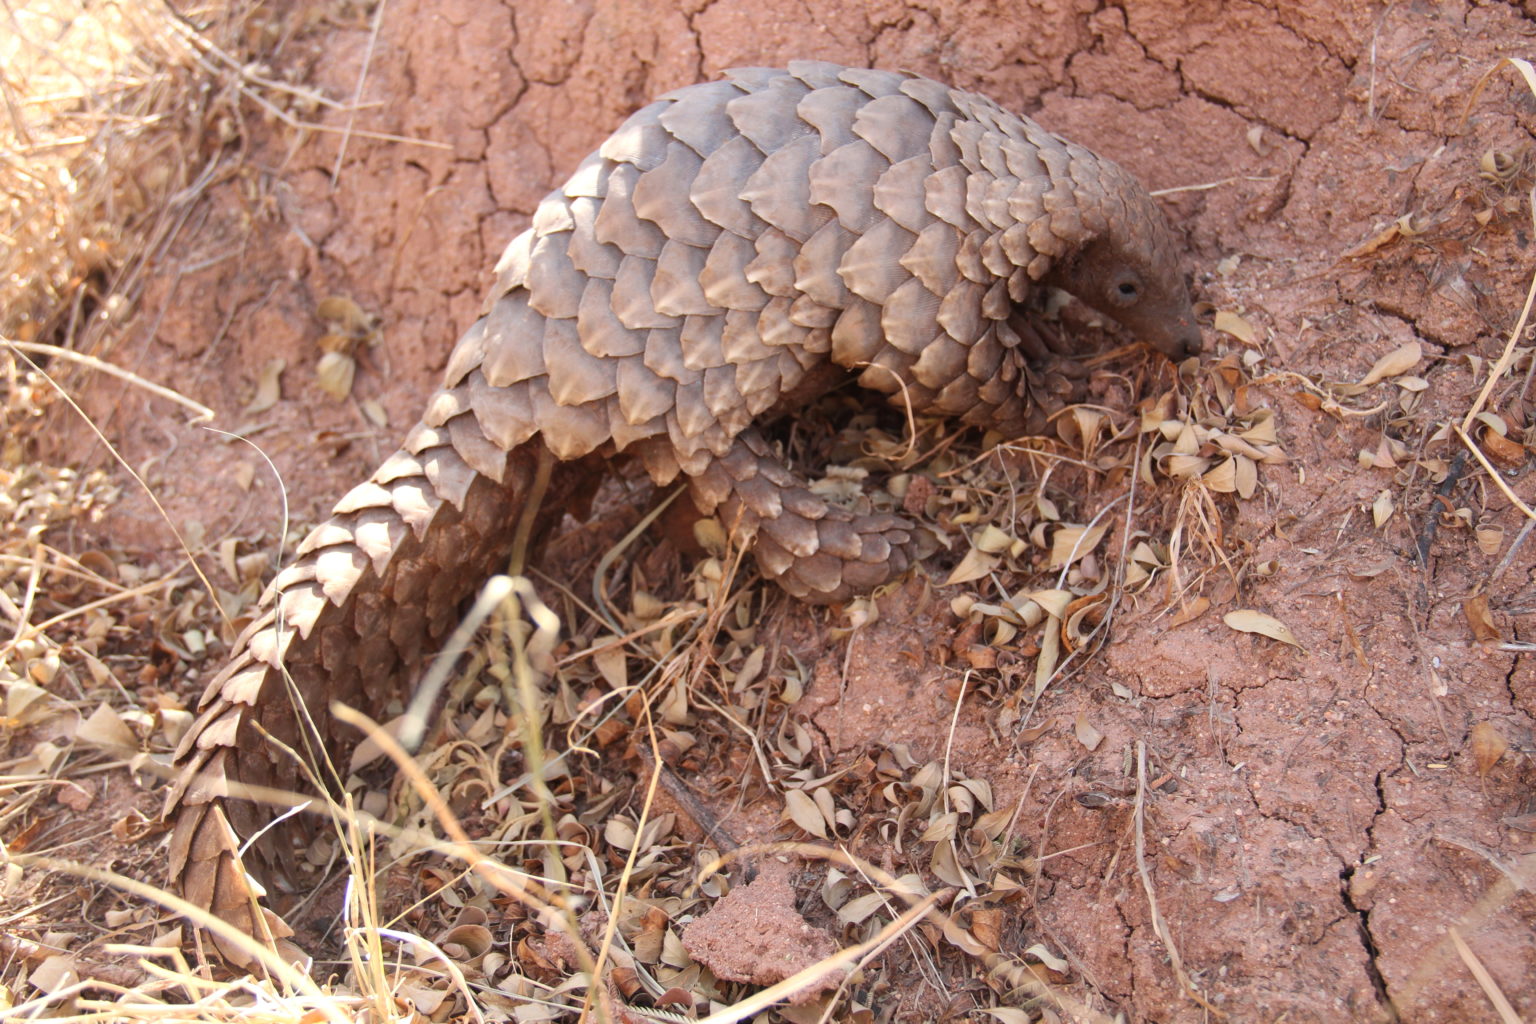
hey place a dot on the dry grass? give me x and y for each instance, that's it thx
(95, 143)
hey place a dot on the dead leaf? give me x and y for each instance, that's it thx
(1382, 509)
(976, 564)
(26, 703)
(1246, 620)
(1247, 477)
(1386, 236)
(1223, 478)
(342, 310)
(472, 940)
(987, 926)
(1480, 619)
(1505, 452)
(1087, 735)
(1231, 323)
(1395, 363)
(1034, 732)
(1070, 543)
(856, 910)
(334, 374)
(802, 810)
(1489, 539)
(1488, 745)
(107, 730)
(1191, 611)
(611, 663)
(1083, 617)
(269, 386)
(375, 412)
(55, 973)
(1008, 1015)
(1045, 956)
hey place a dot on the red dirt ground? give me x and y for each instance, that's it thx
(1321, 824)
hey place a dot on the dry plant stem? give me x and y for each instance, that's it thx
(1207, 186)
(201, 413)
(522, 596)
(906, 406)
(596, 989)
(282, 493)
(1495, 475)
(449, 966)
(1435, 963)
(509, 881)
(295, 980)
(148, 491)
(357, 95)
(530, 511)
(1159, 926)
(1507, 358)
(604, 606)
(24, 613)
(1490, 988)
(496, 590)
(66, 567)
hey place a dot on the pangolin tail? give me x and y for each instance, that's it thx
(371, 592)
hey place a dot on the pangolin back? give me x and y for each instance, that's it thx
(732, 250)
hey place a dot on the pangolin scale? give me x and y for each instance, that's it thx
(734, 249)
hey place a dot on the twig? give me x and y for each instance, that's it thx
(201, 411)
(357, 94)
(496, 590)
(1207, 186)
(1494, 474)
(1509, 556)
(1490, 988)
(1159, 926)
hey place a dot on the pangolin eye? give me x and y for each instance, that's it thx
(1126, 290)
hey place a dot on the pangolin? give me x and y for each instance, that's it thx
(734, 249)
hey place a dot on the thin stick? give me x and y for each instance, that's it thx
(1508, 356)
(1494, 474)
(1159, 926)
(201, 412)
(1490, 988)
(149, 491)
(357, 94)
(495, 590)
(25, 630)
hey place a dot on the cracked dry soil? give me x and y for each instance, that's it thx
(1323, 825)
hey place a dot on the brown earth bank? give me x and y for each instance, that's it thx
(1317, 827)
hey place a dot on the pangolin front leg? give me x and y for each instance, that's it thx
(734, 248)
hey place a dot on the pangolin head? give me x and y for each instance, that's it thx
(1128, 264)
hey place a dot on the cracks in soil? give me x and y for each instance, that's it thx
(1189, 88)
(1362, 915)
